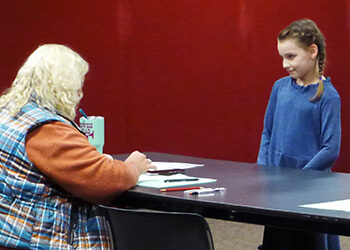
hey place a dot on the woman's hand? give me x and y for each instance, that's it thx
(140, 160)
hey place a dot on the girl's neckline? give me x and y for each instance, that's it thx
(305, 88)
(313, 83)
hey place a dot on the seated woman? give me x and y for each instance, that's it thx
(51, 177)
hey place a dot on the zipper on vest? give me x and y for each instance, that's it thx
(74, 217)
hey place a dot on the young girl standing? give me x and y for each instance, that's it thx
(302, 123)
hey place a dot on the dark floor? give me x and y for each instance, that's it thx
(229, 235)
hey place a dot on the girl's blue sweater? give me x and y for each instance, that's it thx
(299, 133)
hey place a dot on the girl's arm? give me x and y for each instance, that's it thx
(266, 134)
(330, 136)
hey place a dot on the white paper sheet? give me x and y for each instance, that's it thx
(341, 205)
(173, 165)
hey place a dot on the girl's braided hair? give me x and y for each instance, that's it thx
(307, 33)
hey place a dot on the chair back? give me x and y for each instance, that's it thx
(150, 230)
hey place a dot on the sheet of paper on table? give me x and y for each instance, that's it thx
(341, 205)
(173, 165)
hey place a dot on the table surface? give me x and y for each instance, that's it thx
(255, 194)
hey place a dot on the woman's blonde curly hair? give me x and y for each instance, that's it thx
(52, 77)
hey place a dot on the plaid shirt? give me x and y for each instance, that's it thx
(35, 213)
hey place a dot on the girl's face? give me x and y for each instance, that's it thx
(299, 62)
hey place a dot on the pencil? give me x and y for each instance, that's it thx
(178, 189)
(83, 113)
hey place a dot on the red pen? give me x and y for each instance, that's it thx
(179, 189)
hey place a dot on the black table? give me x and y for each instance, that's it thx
(256, 194)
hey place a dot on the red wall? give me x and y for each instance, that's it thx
(189, 77)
